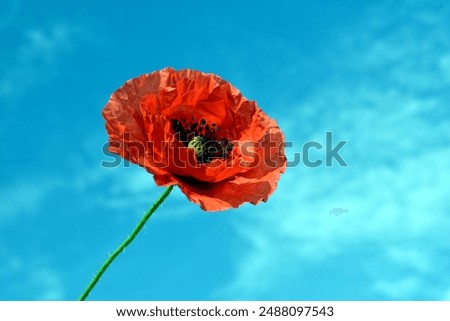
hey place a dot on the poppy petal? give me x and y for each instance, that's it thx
(164, 120)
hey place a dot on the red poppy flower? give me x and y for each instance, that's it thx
(197, 131)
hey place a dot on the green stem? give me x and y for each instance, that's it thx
(127, 242)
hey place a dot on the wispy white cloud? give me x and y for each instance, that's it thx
(399, 289)
(126, 188)
(33, 275)
(21, 198)
(446, 295)
(388, 100)
(49, 282)
(36, 58)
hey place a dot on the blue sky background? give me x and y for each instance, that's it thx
(375, 73)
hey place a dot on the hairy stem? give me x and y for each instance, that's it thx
(125, 243)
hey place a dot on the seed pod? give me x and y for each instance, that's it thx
(197, 143)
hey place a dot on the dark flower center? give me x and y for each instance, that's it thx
(203, 138)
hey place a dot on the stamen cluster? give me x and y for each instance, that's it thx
(203, 138)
